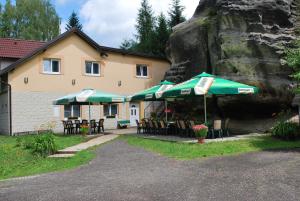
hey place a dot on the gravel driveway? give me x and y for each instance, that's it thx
(122, 172)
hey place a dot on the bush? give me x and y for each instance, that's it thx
(44, 145)
(286, 130)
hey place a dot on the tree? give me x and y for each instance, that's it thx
(175, 13)
(30, 19)
(7, 20)
(74, 22)
(129, 45)
(162, 34)
(36, 19)
(145, 28)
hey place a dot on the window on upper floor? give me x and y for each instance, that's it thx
(141, 70)
(51, 66)
(92, 68)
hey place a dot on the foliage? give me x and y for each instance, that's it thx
(200, 131)
(74, 22)
(16, 161)
(84, 129)
(162, 34)
(293, 58)
(153, 32)
(192, 151)
(129, 45)
(44, 144)
(286, 130)
(29, 19)
(175, 13)
(145, 28)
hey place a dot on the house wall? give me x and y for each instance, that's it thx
(4, 116)
(6, 62)
(32, 101)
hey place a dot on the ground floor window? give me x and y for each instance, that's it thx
(72, 111)
(110, 110)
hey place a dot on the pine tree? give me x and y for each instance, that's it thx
(145, 28)
(175, 13)
(74, 22)
(162, 34)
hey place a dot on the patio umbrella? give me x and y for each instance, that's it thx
(152, 94)
(207, 84)
(89, 97)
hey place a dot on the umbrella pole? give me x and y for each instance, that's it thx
(205, 112)
(90, 130)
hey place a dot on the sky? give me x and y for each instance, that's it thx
(109, 22)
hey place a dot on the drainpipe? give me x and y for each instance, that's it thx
(9, 106)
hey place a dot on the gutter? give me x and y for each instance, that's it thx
(9, 105)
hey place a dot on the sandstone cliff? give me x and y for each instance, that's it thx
(242, 40)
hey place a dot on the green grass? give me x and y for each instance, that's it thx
(191, 151)
(16, 162)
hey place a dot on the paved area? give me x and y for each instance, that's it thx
(122, 172)
(70, 151)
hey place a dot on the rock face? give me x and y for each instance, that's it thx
(242, 40)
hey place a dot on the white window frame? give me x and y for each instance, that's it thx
(109, 110)
(72, 111)
(141, 66)
(92, 70)
(51, 72)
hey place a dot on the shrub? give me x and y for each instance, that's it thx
(44, 144)
(286, 130)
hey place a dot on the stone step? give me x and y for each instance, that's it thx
(61, 156)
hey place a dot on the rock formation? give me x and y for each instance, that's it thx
(242, 40)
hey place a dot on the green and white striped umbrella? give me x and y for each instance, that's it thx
(207, 84)
(152, 94)
(89, 96)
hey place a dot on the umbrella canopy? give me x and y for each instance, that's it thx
(208, 84)
(153, 93)
(204, 84)
(89, 96)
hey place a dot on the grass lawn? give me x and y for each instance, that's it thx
(191, 151)
(16, 161)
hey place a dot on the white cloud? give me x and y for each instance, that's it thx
(110, 22)
(62, 26)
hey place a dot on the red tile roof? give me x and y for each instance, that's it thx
(17, 48)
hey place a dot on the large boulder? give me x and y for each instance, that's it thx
(242, 40)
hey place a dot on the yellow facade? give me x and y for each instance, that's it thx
(117, 72)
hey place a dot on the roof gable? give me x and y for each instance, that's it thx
(101, 49)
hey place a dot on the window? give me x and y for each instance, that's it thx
(110, 110)
(72, 111)
(92, 68)
(51, 66)
(141, 70)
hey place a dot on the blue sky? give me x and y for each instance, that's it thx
(109, 22)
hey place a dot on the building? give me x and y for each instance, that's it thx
(68, 64)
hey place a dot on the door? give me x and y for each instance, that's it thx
(134, 114)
